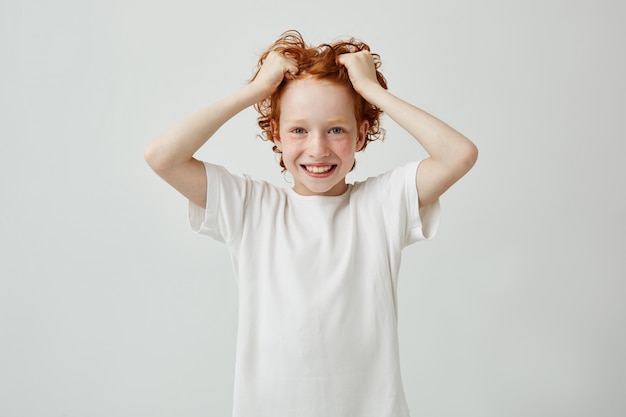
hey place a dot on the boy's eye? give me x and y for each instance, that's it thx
(336, 130)
(298, 130)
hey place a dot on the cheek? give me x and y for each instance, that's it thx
(290, 150)
(345, 148)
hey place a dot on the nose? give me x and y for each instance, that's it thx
(318, 146)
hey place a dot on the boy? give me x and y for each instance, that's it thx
(317, 264)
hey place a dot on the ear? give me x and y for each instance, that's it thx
(362, 137)
(275, 135)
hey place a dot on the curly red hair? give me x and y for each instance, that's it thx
(320, 63)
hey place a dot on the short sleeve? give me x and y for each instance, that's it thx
(222, 217)
(402, 211)
(425, 223)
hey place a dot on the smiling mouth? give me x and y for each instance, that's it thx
(318, 169)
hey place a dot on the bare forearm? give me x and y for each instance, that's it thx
(171, 155)
(451, 155)
(178, 144)
(442, 142)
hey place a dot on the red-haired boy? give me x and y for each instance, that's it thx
(316, 264)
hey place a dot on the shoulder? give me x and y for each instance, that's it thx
(221, 180)
(389, 182)
(392, 198)
(233, 201)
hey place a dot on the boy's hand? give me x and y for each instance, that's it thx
(361, 70)
(275, 68)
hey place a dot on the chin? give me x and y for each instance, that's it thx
(332, 190)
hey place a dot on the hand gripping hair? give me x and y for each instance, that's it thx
(318, 62)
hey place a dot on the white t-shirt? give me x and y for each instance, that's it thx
(316, 277)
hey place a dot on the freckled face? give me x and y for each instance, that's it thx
(318, 135)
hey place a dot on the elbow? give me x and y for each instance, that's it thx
(150, 155)
(154, 158)
(471, 155)
(466, 157)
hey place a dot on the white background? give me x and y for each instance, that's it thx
(111, 307)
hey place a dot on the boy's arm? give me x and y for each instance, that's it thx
(170, 155)
(451, 155)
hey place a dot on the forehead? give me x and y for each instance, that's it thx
(311, 98)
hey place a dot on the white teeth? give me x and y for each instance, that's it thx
(318, 170)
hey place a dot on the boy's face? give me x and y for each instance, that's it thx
(318, 135)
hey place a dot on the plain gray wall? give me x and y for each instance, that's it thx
(111, 307)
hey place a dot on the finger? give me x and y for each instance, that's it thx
(291, 69)
(346, 59)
